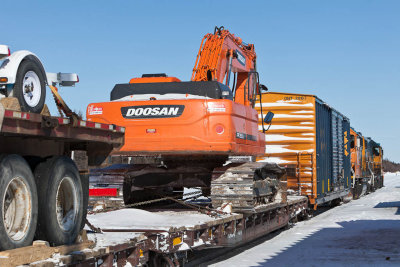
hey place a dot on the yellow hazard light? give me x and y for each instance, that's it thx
(176, 241)
(3, 79)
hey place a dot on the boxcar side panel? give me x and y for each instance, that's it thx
(333, 153)
(290, 141)
(324, 146)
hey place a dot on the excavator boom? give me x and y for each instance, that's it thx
(225, 58)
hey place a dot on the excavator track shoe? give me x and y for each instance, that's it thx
(248, 185)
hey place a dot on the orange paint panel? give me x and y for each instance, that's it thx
(291, 139)
(154, 80)
(193, 132)
(356, 151)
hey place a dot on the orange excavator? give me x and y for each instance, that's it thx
(181, 134)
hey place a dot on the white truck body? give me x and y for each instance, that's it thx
(23, 76)
(9, 68)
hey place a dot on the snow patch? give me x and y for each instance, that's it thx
(270, 149)
(273, 160)
(277, 104)
(286, 127)
(282, 137)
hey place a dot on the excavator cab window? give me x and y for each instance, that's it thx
(209, 75)
(251, 87)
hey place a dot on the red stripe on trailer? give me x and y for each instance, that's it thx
(103, 192)
(89, 124)
(64, 121)
(120, 129)
(16, 114)
(8, 113)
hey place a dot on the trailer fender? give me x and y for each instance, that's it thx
(10, 66)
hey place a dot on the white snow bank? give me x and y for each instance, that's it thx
(141, 219)
(277, 160)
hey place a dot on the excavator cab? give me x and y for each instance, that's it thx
(172, 89)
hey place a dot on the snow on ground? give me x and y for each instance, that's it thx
(140, 219)
(364, 232)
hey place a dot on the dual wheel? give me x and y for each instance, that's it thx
(46, 204)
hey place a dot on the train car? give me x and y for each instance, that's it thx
(312, 141)
(366, 164)
(374, 164)
(359, 176)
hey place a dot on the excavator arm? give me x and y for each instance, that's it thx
(223, 55)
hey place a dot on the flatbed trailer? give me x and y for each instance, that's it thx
(39, 180)
(139, 237)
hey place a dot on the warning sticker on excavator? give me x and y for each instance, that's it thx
(92, 110)
(241, 58)
(216, 107)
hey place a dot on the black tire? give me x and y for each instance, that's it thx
(26, 66)
(59, 184)
(85, 192)
(17, 183)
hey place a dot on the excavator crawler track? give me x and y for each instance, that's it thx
(248, 185)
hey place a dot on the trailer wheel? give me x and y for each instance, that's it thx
(18, 203)
(30, 87)
(60, 200)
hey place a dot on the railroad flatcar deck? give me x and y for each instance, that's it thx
(135, 237)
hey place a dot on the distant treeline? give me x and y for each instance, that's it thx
(390, 166)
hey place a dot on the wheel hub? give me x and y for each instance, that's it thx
(17, 209)
(31, 88)
(67, 204)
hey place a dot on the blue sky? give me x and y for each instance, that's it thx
(345, 52)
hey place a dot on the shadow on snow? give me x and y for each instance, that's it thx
(353, 243)
(393, 204)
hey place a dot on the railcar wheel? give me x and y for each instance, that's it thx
(18, 203)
